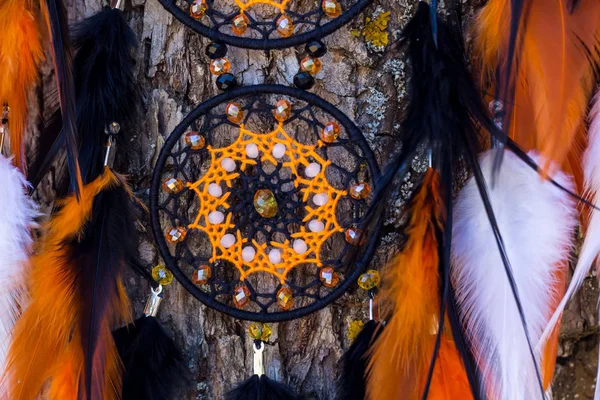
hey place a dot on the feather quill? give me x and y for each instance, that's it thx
(411, 302)
(17, 220)
(538, 220)
(21, 52)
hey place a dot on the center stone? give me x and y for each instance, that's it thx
(265, 203)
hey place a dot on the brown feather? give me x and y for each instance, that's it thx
(410, 293)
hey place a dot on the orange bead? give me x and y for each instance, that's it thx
(239, 24)
(202, 275)
(234, 112)
(311, 65)
(241, 296)
(360, 191)
(331, 8)
(172, 185)
(194, 140)
(283, 110)
(330, 133)
(198, 8)
(329, 278)
(285, 26)
(220, 66)
(285, 299)
(354, 236)
(176, 235)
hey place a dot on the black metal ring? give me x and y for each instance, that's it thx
(265, 44)
(353, 132)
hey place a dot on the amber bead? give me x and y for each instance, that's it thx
(202, 275)
(176, 235)
(330, 132)
(354, 236)
(265, 203)
(329, 278)
(283, 110)
(369, 280)
(285, 26)
(239, 24)
(260, 331)
(234, 112)
(360, 191)
(241, 296)
(198, 8)
(220, 66)
(285, 299)
(194, 140)
(162, 275)
(331, 8)
(311, 65)
(172, 185)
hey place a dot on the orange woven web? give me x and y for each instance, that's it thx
(246, 4)
(297, 156)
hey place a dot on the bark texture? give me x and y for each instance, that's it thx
(364, 79)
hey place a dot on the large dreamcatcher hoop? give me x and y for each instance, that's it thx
(255, 201)
(274, 24)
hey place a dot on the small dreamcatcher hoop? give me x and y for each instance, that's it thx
(255, 200)
(263, 24)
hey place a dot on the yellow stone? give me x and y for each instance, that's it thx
(239, 24)
(202, 275)
(176, 235)
(331, 8)
(369, 280)
(285, 26)
(356, 326)
(265, 203)
(234, 112)
(162, 275)
(312, 65)
(219, 66)
(360, 191)
(172, 185)
(283, 110)
(198, 8)
(194, 140)
(285, 299)
(330, 132)
(329, 278)
(354, 236)
(241, 296)
(260, 331)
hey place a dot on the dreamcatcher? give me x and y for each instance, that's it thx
(267, 204)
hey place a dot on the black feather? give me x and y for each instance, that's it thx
(261, 388)
(154, 365)
(62, 57)
(100, 254)
(105, 85)
(352, 384)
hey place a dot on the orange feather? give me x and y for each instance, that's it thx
(411, 303)
(552, 70)
(43, 342)
(449, 380)
(21, 53)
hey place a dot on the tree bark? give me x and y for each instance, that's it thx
(366, 82)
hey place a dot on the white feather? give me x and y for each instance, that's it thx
(591, 244)
(17, 216)
(536, 220)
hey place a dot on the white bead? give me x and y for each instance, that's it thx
(228, 240)
(252, 150)
(275, 256)
(278, 150)
(300, 246)
(248, 253)
(316, 226)
(312, 170)
(320, 199)
(228, 164)
(215, 190)
(216, 217)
